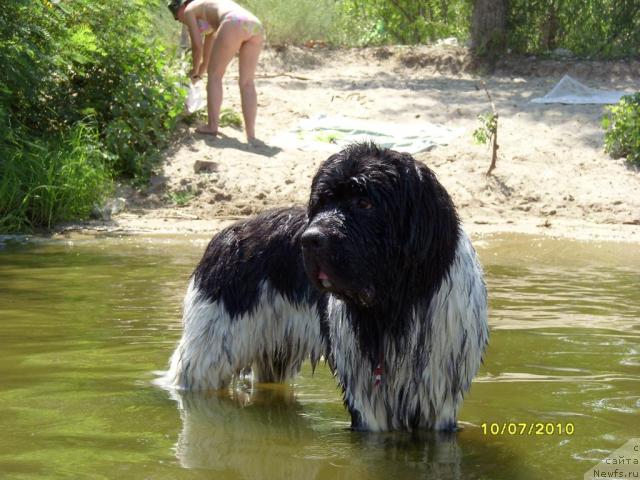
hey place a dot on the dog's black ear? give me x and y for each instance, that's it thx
(432, 224)
(319, 181)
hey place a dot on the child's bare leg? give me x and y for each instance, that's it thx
(227, 42)
(214, 102)
(249, 52)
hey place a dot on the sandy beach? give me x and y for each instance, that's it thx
(552, 175)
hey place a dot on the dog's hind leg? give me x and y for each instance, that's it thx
(210, 351)
(291, 334)
(278, 366)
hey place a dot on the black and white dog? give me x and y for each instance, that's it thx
(397, 297)
(249, 305)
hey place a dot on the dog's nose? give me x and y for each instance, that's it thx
(314, 239)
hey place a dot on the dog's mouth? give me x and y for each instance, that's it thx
(324, 280)
(330, 283)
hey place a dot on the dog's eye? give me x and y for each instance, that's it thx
(363, 203)
(316, 204)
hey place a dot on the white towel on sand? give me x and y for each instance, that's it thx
(330, 134)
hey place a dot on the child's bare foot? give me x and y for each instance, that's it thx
(255, 142)
(206, 130)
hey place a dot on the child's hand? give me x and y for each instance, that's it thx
(194, 76)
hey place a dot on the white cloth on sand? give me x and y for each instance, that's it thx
(570, 91)
(330, 134)
(196, 97)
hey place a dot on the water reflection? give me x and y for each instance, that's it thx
(585, 297)
(264, 432)
(243, 433)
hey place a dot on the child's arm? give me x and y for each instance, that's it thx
(196, 39)
(208, 46)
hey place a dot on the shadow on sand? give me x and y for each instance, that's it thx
(225, 141)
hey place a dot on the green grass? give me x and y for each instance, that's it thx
(181, 198)
(46, 182)
(293, 22)
(230, 118)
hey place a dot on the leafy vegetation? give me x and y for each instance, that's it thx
(88, 89)
(182, 197)
(230, 118)
(602, 28)
(622, 124)
(361, 22)
(85, 94)
(294, 22)
(376, 22)
(487, 128)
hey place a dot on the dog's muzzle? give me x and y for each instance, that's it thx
(314, 239)
(315, 245)
(324, 274)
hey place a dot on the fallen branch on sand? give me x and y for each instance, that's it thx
(283, 74)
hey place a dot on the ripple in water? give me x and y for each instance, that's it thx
(630, 404)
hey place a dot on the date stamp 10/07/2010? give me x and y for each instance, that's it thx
(527, 428)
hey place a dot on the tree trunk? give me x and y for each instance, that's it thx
(550, 28)
(489, 27)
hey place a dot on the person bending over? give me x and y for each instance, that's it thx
(227, 29)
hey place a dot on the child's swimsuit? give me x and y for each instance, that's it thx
(204, 27)
(251, 25)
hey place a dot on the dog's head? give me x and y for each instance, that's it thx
(380, 226)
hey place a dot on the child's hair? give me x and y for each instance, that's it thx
(174, 6)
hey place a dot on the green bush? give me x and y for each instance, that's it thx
(89, 58)
(622, 124)
(355, 22)
(64, 64)
(603, 28)
(376, 22)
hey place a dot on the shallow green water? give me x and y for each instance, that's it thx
(85, 323)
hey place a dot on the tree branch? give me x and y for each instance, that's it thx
(494, 133)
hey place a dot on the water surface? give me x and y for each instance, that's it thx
(85, 322)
